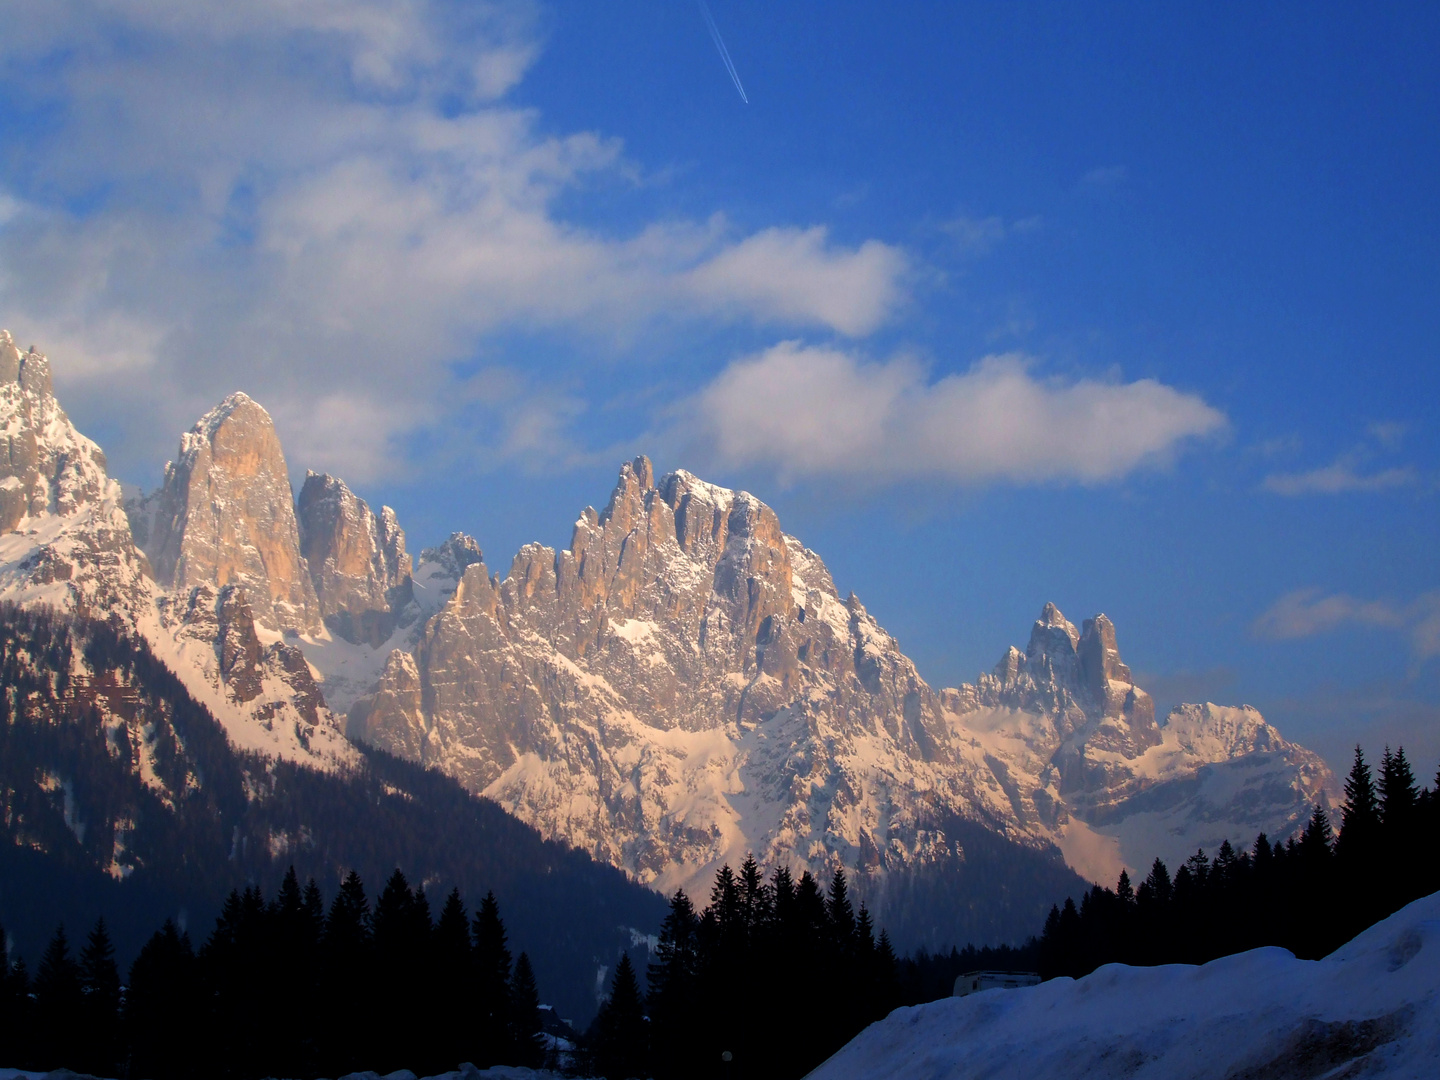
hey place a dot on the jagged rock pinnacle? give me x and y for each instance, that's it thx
(226, 515)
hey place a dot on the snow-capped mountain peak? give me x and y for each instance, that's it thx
(684, 684)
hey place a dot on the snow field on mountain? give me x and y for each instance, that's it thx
(1374, 1003)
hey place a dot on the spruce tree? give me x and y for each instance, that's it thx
(453, 985)
(99, 1027)
(1315, 842)
(15, 1023)
(526, 1035)
(672, 977)
(621, 1040)
(58, 1002)
(839, 912)
(164, 1021)
(755, 897)
(1161, 889)
(1124, 892)
(346, 963)
(492, 985)
(402, 938)
(1360, 816)
(1398, 792)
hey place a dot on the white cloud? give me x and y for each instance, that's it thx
(796, 275)
(811, 412)
(1309, 612)
(289, 202)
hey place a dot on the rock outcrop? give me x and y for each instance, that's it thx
(226, 515)
(64, 540)
(682, 685)
(685, 684)
(46, 466)
(1084, 761)
(356, 558)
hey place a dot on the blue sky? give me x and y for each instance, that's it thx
(1133, 309)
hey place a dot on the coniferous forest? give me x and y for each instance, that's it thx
(771, 978)
(1309, 894)
(284, 987)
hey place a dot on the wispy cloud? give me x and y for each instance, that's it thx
(1339, 478)
(1310, 612)
(1354, 471)
(289, 197)
(1105, 176)
(978, 235)
(813, 412)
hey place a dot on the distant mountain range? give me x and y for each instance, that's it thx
(683, 685)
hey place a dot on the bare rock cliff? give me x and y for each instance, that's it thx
(356, 558)
(226, 515)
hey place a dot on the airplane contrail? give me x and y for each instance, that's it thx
(724, 52)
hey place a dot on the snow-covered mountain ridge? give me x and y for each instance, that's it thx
(682, 685)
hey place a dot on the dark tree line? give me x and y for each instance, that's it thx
(1309, 894)
(776, 974)
(284, 987)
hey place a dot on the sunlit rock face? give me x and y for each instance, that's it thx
(685, 684)
(1082, 758)
(64, 540)
(682, 685)
(46, 466)
(226, 515)
(356, 558)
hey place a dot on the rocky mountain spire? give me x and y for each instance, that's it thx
(46, 466)
(356, 558)
(226, 516)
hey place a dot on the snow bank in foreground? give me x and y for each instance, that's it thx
(1374, 1004)
(465, 1072)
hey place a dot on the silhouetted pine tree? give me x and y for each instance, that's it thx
(492, 985)
(97, 1034)
(1360, 816)
(525, 1028)
(345, 949)
(621, 1040)
(839, 912)
(402, 938)
(162, 1011)
(454, 982)
(58, 1001)
(15, 1023)
(1399, 798)
(673, 991)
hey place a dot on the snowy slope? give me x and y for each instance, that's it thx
(1372, 1008)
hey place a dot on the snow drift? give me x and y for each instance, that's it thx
(1371, 1008)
